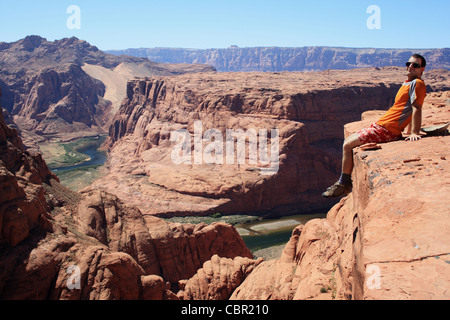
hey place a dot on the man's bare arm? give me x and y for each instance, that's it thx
(416, 123)
(407, 130)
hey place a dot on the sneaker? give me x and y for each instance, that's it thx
(337, 190)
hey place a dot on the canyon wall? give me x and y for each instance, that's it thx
(275, 59)
(308, 110)
(58, 244)
(22, 198)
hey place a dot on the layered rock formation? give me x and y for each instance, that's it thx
(275, 59)
(22, 196)
(152, 168)
(57, 244)
(48, 88)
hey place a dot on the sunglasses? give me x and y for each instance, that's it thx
(414, 65)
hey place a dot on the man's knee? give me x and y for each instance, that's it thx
(347, 146)
(350, 143)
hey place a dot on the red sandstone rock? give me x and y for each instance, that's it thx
(133, 263)
(218, 278)
(173, 251)
(387, 240)
(103, 275)
(153, 288)
(22, 198)
(47, 91)
(52, 238)
(183, 248)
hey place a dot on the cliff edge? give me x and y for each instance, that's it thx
(387, 240)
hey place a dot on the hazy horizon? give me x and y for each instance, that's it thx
(231, 46)
(281, 47)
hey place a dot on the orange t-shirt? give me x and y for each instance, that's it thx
(399, 115)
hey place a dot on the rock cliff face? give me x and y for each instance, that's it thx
(387, 240)
(276, 59)
(22, 198)
(57, 244)
(163, 174)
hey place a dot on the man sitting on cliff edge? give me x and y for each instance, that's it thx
(406, 112)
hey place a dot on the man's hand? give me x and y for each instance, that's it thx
(413, 137)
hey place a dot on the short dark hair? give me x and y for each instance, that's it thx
(418, 56)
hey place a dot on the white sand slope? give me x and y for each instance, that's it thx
(115, 81)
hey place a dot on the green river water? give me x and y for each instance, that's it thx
(258, 234)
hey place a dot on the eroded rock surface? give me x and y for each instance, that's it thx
(58, 244)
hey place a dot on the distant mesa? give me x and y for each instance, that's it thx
(277, 59)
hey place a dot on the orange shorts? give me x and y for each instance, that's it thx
(376, 133)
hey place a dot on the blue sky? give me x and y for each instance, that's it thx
(219, 24)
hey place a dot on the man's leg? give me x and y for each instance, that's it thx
(344, 184)
(347, 153)
(366, 138)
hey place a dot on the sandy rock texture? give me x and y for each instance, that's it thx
(217, 279)
(22, 197)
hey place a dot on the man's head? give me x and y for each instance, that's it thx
(415, 67)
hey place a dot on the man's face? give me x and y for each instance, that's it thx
(412, 72)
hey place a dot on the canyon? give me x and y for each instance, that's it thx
(369, 246)
(388, 239)
(309, 111)
(47, 229)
